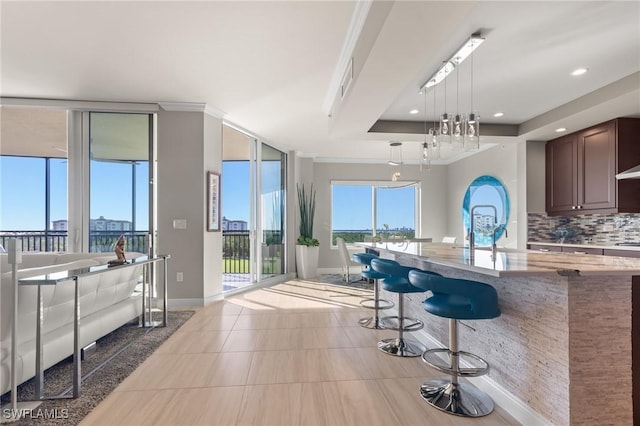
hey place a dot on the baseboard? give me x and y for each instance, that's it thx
(185, 303)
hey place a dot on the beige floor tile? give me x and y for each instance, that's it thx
(346, 403)
(152, 374)
(271, 405)
(174, 371)
(324, 338)
(300, 366)
(222, 307)
(241, 340)
(217, 406)
(271, 357)
(204, 322)
(194, 342)
(229, 369)
(130, 408)
(361, 337)
(381, 365)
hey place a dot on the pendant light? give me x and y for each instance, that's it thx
(472, 126)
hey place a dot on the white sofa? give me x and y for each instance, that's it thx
(107, 301)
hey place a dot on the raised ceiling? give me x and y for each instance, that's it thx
(275, 67)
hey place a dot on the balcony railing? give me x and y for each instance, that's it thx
(57, 241)
(235, 244)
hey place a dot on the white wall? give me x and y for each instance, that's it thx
(433, 199)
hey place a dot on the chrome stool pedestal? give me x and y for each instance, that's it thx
(456, 299)
(397, 282)
(373, 322)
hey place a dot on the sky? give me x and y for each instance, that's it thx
(22, 192)
(22, 195)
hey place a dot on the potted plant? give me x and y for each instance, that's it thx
(307, 250)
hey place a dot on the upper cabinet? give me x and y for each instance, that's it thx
(581, 169)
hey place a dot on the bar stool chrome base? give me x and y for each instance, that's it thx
(373, 323)
(401, 347)
(393, 323)
(461, 399)
(382, 304)
(433, 358)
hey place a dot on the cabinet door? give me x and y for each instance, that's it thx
(622, 253)
(596, 168)
(582, 250)
(544, 248)
(561, 174)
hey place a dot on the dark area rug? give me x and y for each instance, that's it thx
(336, 279)
(116, 356)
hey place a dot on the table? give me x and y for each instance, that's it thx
(56, 278)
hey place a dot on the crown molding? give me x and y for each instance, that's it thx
(192, 107)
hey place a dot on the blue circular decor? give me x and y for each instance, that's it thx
(483, 191)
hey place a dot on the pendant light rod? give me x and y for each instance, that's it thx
(450, 64)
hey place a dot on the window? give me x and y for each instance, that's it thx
(364, 210)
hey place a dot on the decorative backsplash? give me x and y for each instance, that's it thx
(604, 229)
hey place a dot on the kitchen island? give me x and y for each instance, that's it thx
(563, 345)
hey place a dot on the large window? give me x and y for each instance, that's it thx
(362, 211)
(33, 200)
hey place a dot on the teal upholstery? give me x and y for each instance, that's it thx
(456, 298)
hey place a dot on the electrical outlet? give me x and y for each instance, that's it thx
(607, 228)
(179, 277)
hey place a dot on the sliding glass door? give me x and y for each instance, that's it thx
(119, 180)
(272, 181)
(253, 200)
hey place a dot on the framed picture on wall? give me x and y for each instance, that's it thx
(213, 202)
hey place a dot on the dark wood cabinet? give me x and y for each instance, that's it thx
(544, 247)
(582, 250)
(581, 169)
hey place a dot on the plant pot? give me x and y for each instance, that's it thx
(307, 261)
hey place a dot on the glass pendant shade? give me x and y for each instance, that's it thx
(472, 134)
(434, 145)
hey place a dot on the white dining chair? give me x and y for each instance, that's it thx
(347, 262)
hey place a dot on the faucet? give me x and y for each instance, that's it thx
(472, 238)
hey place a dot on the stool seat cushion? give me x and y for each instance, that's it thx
(373, 275)
(397, 280)
(457, 298)
(396, 284)
(363, 258)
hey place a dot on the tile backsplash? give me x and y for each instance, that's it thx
(604, 229)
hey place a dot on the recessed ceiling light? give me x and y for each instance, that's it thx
(414, 111)
(578, 71)
(561, 129)
(498, 114)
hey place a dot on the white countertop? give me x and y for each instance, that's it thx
(509, 262)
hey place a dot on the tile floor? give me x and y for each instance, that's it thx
(291, 354)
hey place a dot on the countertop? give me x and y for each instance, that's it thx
(510, 262)
(587, 245)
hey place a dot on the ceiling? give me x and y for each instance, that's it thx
(275, 68)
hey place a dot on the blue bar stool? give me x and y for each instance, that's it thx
(456, 299)
(397, 282)
(373, 322)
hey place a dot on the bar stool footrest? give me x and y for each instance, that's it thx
(410, 324)
(433, 357)
(382, 304)
(461, 399)
(374, 323)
